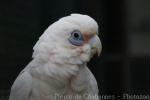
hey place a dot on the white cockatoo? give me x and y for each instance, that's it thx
(59, 69)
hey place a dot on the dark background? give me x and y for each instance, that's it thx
(124, 27)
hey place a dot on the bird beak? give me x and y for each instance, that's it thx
(96, 45)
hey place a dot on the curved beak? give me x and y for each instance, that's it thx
(96, 45)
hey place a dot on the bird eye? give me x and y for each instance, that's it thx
(76, 35)
(76, 38)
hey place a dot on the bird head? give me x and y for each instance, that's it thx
(72, 39)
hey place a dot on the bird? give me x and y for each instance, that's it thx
(58, 69)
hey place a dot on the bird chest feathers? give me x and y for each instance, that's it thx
(52, 82)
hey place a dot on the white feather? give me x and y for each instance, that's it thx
(57, 66)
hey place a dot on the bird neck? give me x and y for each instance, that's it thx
(56, 70)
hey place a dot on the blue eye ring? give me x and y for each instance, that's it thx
(76, 38)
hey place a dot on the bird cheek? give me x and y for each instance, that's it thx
(87, 48)
(76, 51)
(86, 53)
(85, 57)
(84, 49)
